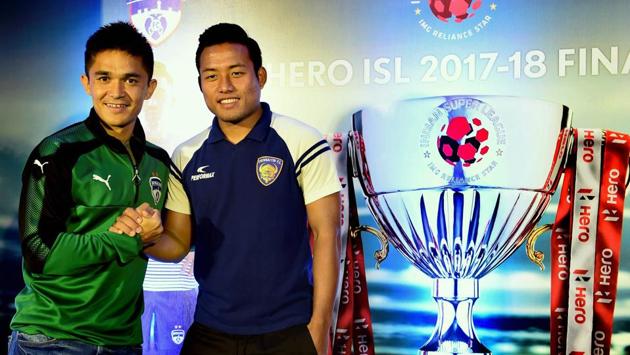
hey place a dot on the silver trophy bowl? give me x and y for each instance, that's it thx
(457, 184)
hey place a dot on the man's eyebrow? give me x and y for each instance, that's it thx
(239, 65)
(125, 76)
(131, 76)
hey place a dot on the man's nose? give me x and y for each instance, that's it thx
(225, 84)
(117, 88)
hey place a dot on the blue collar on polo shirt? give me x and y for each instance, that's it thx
(258, 133)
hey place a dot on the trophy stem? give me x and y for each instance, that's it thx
(454, 332)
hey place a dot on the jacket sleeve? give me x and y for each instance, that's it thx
(45, 205)
(71, 253)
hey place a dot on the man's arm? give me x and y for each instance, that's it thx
(167, 240)
(45, 203)
(323, 219)
(72, 252)
(174, 243)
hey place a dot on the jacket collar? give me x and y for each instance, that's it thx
(137, 140)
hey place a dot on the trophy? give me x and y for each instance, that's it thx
(457, 184)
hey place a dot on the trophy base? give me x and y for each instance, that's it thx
(455, 331)
(453, 348)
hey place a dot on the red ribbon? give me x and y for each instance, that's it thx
(583, 298)
(353, 333)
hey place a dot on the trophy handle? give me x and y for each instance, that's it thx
(352, 155)
(380, 254)
(536, 256)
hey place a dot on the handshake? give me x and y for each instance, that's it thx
(142, 220)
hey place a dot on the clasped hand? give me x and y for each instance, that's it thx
(143, 220)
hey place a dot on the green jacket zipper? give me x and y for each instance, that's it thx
(136, 183)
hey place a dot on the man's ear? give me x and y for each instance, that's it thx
(150, 89)
(85, 82)
(262, 76)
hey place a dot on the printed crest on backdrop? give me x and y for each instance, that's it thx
(268, 169)
(453, 20)
(178, 334)
(156, 188)
(155, 19)
(463, 140)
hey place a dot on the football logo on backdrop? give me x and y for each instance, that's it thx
(459, 10)
(453, 20)
(463, 140)
(156, 188)
(155, 19)
(268, 169)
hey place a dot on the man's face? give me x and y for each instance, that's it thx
(229, 84)
(118, 84)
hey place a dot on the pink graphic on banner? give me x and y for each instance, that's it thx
(463, 141)
(459, 9)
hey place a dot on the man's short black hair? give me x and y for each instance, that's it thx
(120, 36)
(229, 33)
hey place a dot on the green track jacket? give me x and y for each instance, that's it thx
(82, 281)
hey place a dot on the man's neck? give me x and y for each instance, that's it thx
(123, 134)
(235, 132)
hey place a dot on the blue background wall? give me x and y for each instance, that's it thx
(42, 59)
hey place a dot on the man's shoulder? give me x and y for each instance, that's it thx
(186, 149)
(158, 152)
(76, 133)
(293, 130)
(285, 122)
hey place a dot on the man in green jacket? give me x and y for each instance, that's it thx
(83, 292)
